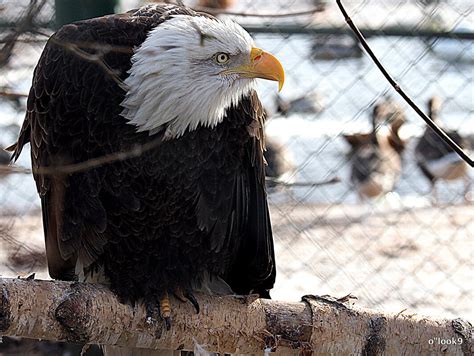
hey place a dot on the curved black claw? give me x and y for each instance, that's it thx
(190, 296)
(178, 293)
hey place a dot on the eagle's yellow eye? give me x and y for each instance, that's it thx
(221, 57)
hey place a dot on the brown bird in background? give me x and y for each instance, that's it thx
(376, 158)
(436, 159)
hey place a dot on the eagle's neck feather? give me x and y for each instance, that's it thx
(169, 88)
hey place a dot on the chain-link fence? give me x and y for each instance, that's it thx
(405, 249)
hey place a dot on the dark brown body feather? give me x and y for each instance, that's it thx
(192, 206)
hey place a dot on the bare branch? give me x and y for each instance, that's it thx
(12, 95)
(101, 49)
(24, 25)
(91, 313)
(96, 58)
(136, 151)
(23, 40)
(279, 182)
(5, 169)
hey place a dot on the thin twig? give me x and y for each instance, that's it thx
(39, 32)
(276, 181)
(135, 151)
(98, 46)
(22, 40)
(12, 95)
(98, 58)
(23, 25)
(5, 169)
(395, 85)
(96, 162)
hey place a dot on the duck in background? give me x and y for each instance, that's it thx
(436, 159)
(331, 47)
(309, 103)
(376, 158)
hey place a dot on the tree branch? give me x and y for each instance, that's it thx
(90, 313)
(23, 25)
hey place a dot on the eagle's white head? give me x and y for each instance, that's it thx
(189, 70)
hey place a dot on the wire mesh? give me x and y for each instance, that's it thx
(408, 249)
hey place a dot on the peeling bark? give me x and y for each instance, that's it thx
(90, 313)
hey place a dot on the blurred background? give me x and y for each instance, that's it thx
(363, 200)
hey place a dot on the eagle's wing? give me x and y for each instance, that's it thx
(254, 270)
(233, 205)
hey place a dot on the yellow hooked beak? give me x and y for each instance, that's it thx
(262, 65)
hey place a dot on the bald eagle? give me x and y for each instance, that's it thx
(189, 212)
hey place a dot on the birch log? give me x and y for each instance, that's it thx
(90, 313)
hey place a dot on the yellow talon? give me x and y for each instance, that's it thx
(165, 310)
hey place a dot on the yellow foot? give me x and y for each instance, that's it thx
(165, 310)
